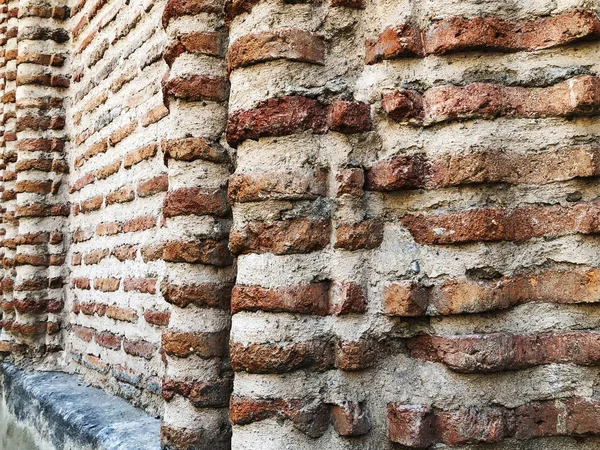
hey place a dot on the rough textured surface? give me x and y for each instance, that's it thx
(339, 224)
(62, 413)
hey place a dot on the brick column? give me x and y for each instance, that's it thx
(41, 192)
(301, 226)
(197, 381)
(8, 228)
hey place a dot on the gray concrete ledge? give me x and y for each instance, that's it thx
(54, 410)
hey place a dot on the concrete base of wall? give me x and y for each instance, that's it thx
(55, 411)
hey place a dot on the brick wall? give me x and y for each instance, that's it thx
(340, 224)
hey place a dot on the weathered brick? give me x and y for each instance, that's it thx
(290, 44)
(206, 251)
(109, 340)
(160, 318)
(190, 149)
(153, 186)
(198, 87)
(205, 43)
(123, 195)
(276, 117)
(283, 237)
(154, 115)
(364, 235)
(122, 314)
(351, 419)
(203, 295)
(505, 351)
(281, 358)
(410, 425)
(309, 416)
(107, 284)
(470, 425)
(483, 33)
(349, 117)
(143, 285)
(199, 201)
(205, 345)
(494, 224)
(178, 8)
(213, 394)
(139, 224)
(310, 298)
(140, 348)
(280, 185)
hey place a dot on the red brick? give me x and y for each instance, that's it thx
(395, 42)
(95, 363)
(82, 182)
(365, 235)
(356, 355)
(153, 186)
(277, 117)
(582, 417)
(537, 419)
(505, 351)
(190, 149)
(81, 283)
(139, 155)
(349, 117)
(410, 425)
(214, 394)
(139, 224)
(493, 224)
(84, 333)
(206, 251)
(154, 115)
(122, 314)
(92, 204)
(123, 195)
(143, 285)
(204, 43)
(404, 105)
(107, 284)
(310, 417)
(290, 44)
(347, 298)
(279, 185)
(178, 8)
(483, 166)
(121, 133)
(140, 348)
(577, 96)
(204, 345)
(351, 419)
(303, 235)
(483, 33)
(202, 295)
(198, 87)
(95, 256)
(108, 170)
(406, 299)
(460, 34)
(199, 201)
(350, 182)
(125, 252)
(109, 340)
(108, 229)
(160, 318)
(282, 358)
(310, 298)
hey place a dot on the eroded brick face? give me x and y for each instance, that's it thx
(339, 224)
